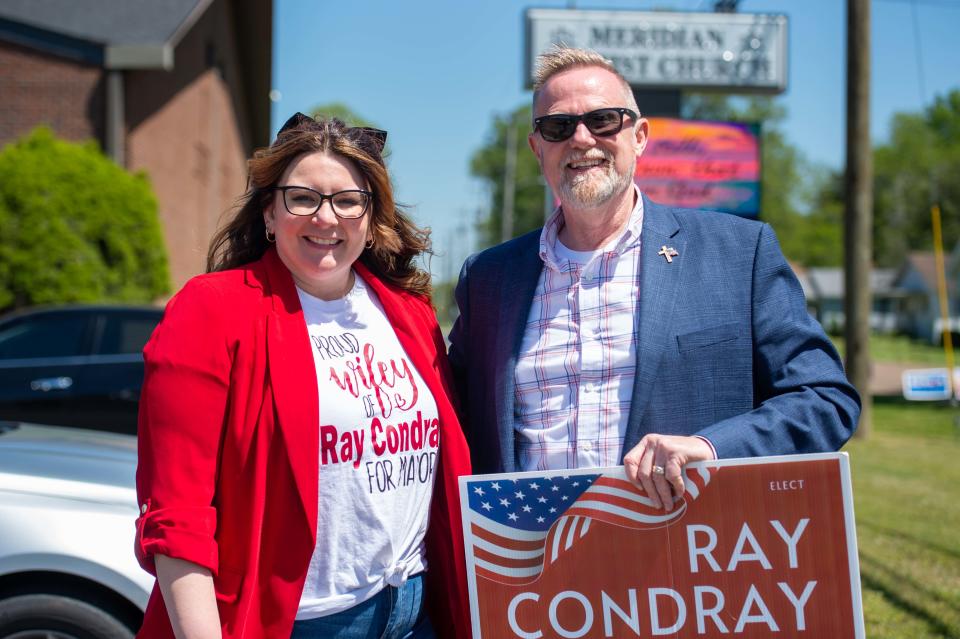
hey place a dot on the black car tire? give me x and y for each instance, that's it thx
(57, 617)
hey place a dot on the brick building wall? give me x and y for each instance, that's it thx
(38, 88)
(183, 130)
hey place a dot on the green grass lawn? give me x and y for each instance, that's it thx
(906, 482)
(897, 348)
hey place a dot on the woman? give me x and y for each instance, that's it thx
(296, 428)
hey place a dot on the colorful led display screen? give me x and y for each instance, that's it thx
(702, 165)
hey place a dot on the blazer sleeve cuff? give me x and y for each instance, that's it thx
(710, 444)
(183, 533)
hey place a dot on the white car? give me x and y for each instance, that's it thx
(67, 512)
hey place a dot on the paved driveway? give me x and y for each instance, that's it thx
(885, 377)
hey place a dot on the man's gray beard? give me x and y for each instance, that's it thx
(590, 192)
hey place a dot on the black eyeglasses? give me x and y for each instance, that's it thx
(349, 205)
(602, 122)
(370, 139)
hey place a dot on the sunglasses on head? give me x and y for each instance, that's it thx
(601, 122)
(366, 136)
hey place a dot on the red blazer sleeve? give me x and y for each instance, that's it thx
(182, 409)
(451, 617)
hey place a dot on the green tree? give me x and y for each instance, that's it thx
(445, 303)
(790, 185)
(915, 169)
(342, 112)
(75, 227)
(822, 229)
(489, 164)
(349, 117)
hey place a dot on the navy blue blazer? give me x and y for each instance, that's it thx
(727, 349)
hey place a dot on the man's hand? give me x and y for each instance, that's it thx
(669, 453)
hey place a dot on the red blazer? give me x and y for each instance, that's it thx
(228, 448)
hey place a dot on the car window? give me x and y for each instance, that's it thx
(127, 333)
(55, 335)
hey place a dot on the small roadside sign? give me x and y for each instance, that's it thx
(926, 384)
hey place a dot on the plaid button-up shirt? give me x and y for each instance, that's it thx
(576, 368)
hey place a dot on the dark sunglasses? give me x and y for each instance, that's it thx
(368, 138)
(602, 122)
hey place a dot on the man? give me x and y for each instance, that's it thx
(630, 331)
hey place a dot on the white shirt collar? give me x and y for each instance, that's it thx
(551, 231)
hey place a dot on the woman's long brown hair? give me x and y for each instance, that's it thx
(397, 241)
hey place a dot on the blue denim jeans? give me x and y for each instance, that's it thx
(393, 613)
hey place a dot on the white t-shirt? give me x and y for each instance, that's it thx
(379, 433)
(580, 258)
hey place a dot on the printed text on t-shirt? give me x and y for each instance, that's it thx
(392, 382)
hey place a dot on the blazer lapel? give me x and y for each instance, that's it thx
(293, 377)
(518, 282)
(659, 281)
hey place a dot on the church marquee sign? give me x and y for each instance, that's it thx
(735, 52)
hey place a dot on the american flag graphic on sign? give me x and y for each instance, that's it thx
(519, 526)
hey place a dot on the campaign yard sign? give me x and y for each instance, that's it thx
(755, 548)
(927, 384)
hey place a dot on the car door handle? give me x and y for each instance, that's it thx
(47, 384)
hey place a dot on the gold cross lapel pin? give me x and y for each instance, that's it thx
(668, 252)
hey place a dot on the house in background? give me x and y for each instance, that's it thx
(887, 300)
(919, 311)
(825, 298)
(176, 88)
(905, 299)
(808, 293)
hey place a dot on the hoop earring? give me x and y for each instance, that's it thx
(369, 243)
(271, 237)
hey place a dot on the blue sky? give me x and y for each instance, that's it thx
(434, 73)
